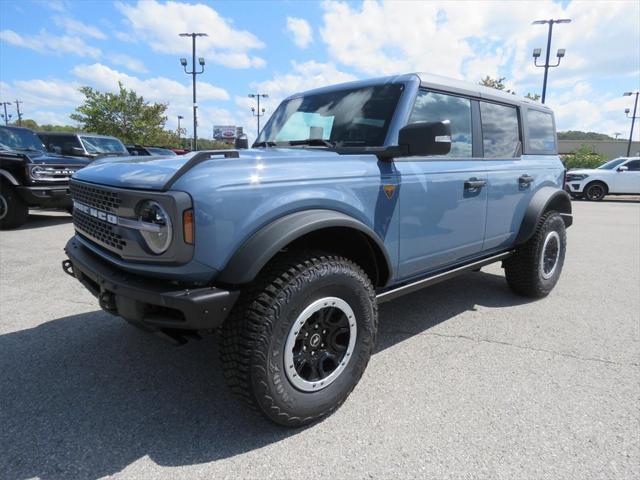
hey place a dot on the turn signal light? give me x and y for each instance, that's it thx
(187, 226)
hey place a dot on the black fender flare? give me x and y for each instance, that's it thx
(545, 199)
(262, 246)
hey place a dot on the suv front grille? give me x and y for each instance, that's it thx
(98, 230)
(96, 197)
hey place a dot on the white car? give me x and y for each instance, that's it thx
(620, 176)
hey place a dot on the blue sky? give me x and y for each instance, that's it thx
(48, 49)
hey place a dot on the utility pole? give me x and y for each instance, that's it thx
(6, 116)
(180, 117)
(259, 113)
(193, 73)
(537, 51)
(633, 117)
(18, 102)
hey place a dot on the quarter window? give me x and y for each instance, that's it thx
(541, 134)
(500, 131)
(437, 107)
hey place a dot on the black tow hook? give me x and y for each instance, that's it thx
(108, 302)
(67, 266)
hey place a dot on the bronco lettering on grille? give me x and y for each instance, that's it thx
(94, 212)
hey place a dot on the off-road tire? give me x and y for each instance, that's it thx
(14, 211)
(253, 337)
(595, 191)
(523, 270)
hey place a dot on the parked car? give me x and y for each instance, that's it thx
(620, 176)
(87, 145)
(179, 151)
(353, 195)
(31, 177)
(148, 151)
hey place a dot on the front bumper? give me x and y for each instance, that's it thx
(155, 303)
(49, 196)
(574, 187)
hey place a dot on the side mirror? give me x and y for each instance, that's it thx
(623, 168)
(242, 142)
(74, 151)
(425, 138)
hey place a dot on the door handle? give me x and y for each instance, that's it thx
(474, 184)
(525, 180)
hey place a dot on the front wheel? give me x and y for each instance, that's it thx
(535, 267)
(299, 340)
(595, 191)
(13, 210)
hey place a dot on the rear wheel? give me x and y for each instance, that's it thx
(13, 210)
(299, 340)
(535, 267)
(595, 191)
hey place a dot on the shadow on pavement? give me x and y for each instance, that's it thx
(40, 220)
(86, 395)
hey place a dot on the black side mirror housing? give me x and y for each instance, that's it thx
(73, 151)
(425, 138)
(242, 142)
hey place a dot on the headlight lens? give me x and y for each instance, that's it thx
(573, 177)
(155, 226)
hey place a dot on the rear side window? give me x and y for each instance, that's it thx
(541, 133)
(437, 107)
(500, 130)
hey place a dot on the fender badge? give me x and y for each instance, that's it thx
(388, 190)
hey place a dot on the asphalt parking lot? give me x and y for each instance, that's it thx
(469, 381)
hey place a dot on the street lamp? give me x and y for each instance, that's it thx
(257, 112)
(180, 117)
(538, 51)
(6, 116)
(633, 117)
(193, 73)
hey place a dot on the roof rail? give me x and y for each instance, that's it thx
(200, 157)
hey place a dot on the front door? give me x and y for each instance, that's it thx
(443, 199)
(628, 181)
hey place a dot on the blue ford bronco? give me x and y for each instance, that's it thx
(352, 195)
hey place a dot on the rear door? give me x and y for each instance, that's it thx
(443, 199)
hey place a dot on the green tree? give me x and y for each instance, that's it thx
(583, 157)
(33, 125)
(125, 115)
(579, 135)
(498, 84)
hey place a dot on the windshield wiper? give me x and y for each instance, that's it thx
(27, 149)
(320, 142)
(265, 144)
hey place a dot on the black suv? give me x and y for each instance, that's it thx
(80, 144)
(31, 177)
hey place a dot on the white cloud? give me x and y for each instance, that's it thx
(45, 42)
(159, 24)
(158, 89)
(74, 27)
(130, 63)
(125, 37)
(300, 30)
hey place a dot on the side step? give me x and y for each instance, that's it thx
(439, 277)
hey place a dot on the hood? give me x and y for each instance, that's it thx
(152, 173)
(584, 171)
(54, 159)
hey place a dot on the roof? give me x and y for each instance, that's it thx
(436, 82)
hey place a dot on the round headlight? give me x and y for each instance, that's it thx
(155, 226)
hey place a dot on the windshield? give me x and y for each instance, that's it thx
(353, 117)
(611, 164)
(20, 139)
(103, 145)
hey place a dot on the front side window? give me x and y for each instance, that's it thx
(541, 133)
(356, 117)
(438, 107)
(500, 130)
(59, 143)
(633, 166)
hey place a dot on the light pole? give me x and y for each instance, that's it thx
(193, 73)
(633, 117)
(258, 113)
(537, 51)
(180, 117)
(18, 102)
(6, 116)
